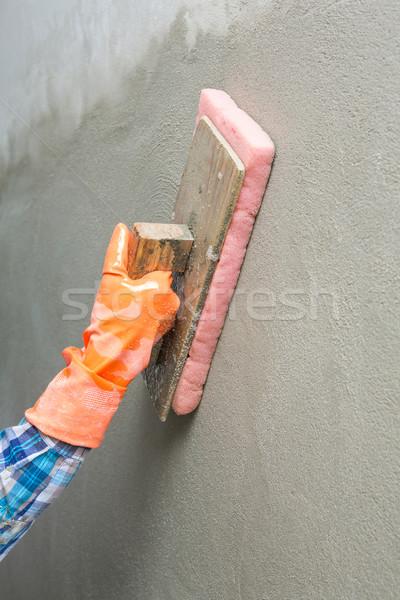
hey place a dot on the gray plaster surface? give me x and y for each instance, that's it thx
(284, 485)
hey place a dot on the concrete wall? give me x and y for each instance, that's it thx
(284, 484)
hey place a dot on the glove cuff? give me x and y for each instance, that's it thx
(77, 406)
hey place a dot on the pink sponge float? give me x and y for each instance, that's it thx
(256, 150)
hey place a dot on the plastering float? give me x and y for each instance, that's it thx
(221, 190)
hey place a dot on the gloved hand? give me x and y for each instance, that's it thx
(128, 317)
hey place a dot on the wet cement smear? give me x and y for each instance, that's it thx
(60, 61)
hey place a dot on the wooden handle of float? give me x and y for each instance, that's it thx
(158, 247)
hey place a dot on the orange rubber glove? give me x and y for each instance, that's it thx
(128, 317)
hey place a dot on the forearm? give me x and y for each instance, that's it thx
(34, 470)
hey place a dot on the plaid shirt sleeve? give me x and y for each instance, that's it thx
(34, 470)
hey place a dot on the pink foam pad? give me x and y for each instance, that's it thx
(256, 150)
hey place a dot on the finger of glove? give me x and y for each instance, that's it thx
(165, 326)
(166, 298)
(154, 291)
(157, 283)
(116, 261)
(162, 302)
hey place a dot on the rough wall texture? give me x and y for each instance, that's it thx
(284, 484)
